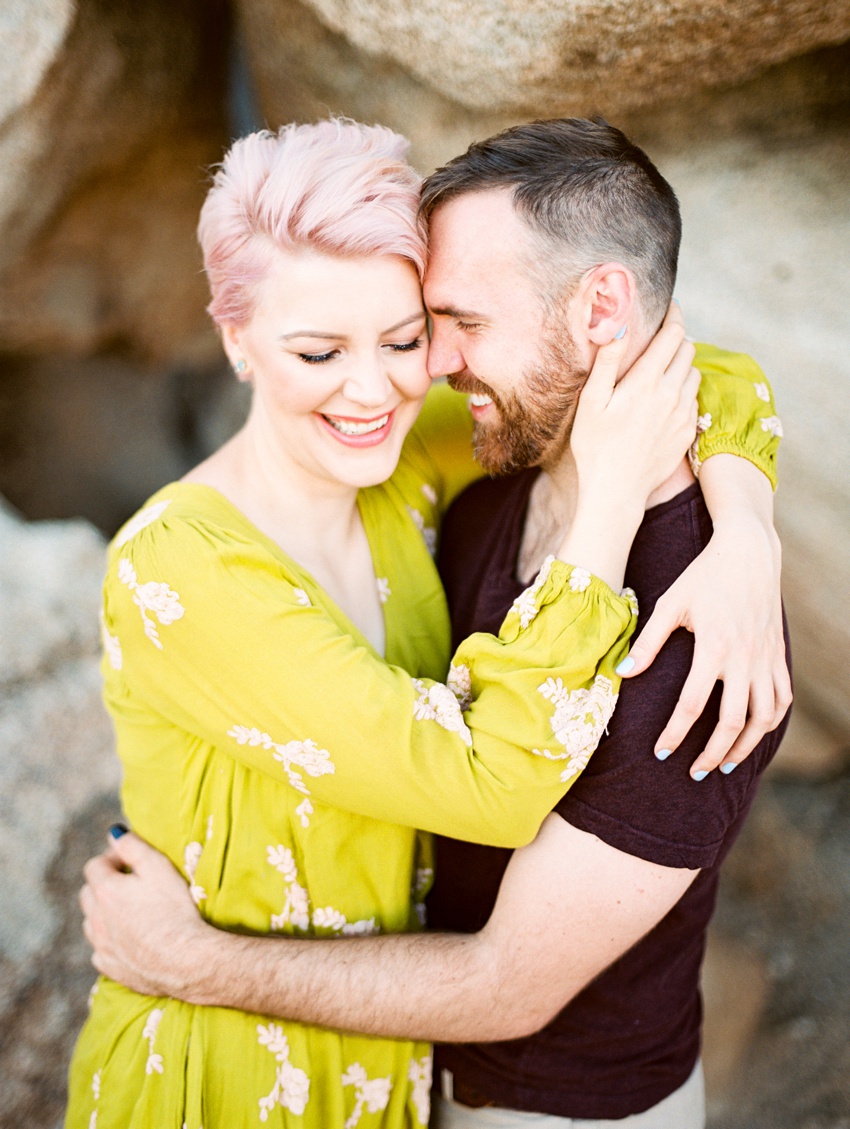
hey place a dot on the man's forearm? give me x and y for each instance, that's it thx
(435, 988)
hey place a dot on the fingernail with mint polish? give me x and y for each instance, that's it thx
(663, 754)
(625, 666)
(117, 830)
(727, 768)
(619, 336)
(701, 775)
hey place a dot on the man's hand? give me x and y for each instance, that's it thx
(140, 919)
(729, 598)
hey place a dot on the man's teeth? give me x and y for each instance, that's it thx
(479, 400)
(349, 427)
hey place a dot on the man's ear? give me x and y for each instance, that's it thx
(609, 301)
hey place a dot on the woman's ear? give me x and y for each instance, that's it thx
(610, 301)
(231, 339)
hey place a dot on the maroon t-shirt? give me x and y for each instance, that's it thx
(631, 1037)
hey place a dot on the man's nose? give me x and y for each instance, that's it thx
(444, 356)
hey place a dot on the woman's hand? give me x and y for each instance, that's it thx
(630, 436)
(140, 919)
(730, 599)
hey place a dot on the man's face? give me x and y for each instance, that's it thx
(494, 337)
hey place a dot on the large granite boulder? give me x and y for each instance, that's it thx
(58, 781)
(110, 113)
(436, 68)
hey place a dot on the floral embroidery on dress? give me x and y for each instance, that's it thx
(438, 703)
(95, 1085)
(144, 517)
(384, 590)
(292, 1086)
(191, 858)
(579, 579)
(302, 597)
(429, 492)
(330, 918)
(630, 596)
(525, 605)
(296, 907)
(152, 596)
(209, 827)
(459, 682)
(111, 645)
(763, 392)
(93, 1120)
(154, 1063)
(92, 993)
(429, 533)
(371, 1093)
(773, 424)
(419, 1073)
(703, 424)
(304, 811)
(579, 720)
(306, 754)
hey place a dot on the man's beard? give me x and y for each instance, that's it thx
(535, 420)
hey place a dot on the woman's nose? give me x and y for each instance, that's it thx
(368, 382)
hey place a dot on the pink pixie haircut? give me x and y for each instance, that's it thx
(338, 187)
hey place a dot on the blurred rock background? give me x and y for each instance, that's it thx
(111, 383)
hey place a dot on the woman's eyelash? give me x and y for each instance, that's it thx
(407, 346)
(317, 358)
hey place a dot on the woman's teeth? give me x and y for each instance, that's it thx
(479, 400)
(349, 427)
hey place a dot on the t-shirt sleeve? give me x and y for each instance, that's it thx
(653, 809)
(215, 635)
(737, 413)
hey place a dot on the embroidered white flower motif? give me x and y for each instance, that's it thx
(631, 599)
(302, 597)
(292, 1086)
(773, 424)
(304, 811)
(525, 605)
(419, 1073)
(429, 492)
(144, 517)
(92, 994)
(384, 590)
(95, 1085)
(296, 906)
(111, 645)
(209, 827)
(306, 754)
(763, 392)
(153, 596)
(154, 1063)
(371, 1093)
(191, 858)
(703, 423)
(438, 703)
(330, 918)
(579, 579)
(428, 532)
(578, 721)
(459, 682)
(93, 1120)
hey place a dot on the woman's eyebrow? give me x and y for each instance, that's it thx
(324, 335)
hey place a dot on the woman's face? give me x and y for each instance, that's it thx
(336, 351)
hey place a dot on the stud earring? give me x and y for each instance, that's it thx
(240, 366)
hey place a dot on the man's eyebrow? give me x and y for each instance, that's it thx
(459, 315)
(323, 335)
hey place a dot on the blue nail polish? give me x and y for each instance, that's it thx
(663, 754)
(619, 336)
(701, 775)
(727, 768)
(117, 830)
(625, 666)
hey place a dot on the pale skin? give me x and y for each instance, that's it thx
(568, 891)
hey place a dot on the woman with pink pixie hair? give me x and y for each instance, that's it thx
(289, 715)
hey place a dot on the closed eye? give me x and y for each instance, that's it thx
(406, 346)
(317, 358)
(468, 326)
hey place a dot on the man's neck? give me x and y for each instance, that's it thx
(552, 506)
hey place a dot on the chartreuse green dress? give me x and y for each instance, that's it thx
(292, 774)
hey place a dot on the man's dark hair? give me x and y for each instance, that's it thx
(587, 194)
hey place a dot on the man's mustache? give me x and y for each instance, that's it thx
(467, 383)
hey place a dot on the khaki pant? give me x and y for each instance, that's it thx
(683, 1109)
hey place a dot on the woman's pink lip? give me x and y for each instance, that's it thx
(371, 439)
